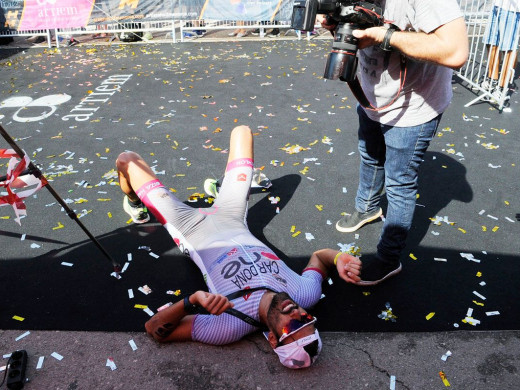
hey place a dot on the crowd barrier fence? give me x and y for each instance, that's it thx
(483, 61)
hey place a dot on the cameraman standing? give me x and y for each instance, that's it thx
(405, 71)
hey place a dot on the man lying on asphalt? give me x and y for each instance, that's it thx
(250, 288)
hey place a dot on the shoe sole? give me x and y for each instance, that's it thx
(359, 225)
(209, 185)
(138, 221)
(374, 282)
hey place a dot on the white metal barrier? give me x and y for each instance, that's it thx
(488, 70)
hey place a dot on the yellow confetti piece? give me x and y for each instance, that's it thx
(479, 274)
(462, 230)
(506, 202)
(296, 234)
(484, 229)
(366, 293)
(413, 256)
(429, 316)
(18, 318)
(319, 207)
(104, 199)
(444, 379)
(129, 221)
(478, 303)
(60, 226)
(495, 229)
(191, 188)
(293, 228)
(5, 217)
(177, 293)
(313, 143)
(137, 306)
(109, 214)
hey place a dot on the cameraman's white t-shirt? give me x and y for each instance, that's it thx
(427, 90)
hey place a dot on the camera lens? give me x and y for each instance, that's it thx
(341, 65)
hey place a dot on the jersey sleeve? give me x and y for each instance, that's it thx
(219, 330)
(309, 292)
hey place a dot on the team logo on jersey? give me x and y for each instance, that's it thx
(270, 256)
(246, 297)
(232, 251)
(241, 177)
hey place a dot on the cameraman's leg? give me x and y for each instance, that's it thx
(405, 148)
(372, 150)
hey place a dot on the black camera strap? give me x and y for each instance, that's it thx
(244, 317)
(359, 94)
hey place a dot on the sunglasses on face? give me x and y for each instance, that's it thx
(295, 325)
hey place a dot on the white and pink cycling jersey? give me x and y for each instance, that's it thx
(228, 255)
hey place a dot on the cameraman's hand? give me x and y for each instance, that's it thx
(213, 303)
(370, 37)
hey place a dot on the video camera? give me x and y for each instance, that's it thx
(348, 15)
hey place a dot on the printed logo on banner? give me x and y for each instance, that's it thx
(47, 14)
(26, 105)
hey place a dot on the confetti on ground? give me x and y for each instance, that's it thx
(392, 382)
(39, 365)
(22, 336)
(132, 345)
(56, 356)
(446, 356)
(111, 364)
(387, 314)
(430, 315)
(18, 318)
(444, 379)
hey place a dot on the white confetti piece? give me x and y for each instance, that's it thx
(492, 313)
(446, 356)
(111, 364)
(153, 255)
(40, 362)
(129, 256)
(56, 356)
(116, 275)
(469, 313)
(440, 259)
(66, 264)
(125, 267)
(469, 257)
(148, 311)
(35, 246)
(309, 236)
(132, 345)
(22, 336)
(23, 237)
(392, 382)
(130, 293)
(145, 289)
(492, 217)
(482, 284)
(479, 295)
(494, 166)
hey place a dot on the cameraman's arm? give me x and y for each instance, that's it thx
(447, 45)
(174, 324)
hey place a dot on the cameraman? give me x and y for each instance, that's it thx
(406, 75)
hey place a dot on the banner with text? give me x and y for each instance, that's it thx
(49, 14)
(46, 14)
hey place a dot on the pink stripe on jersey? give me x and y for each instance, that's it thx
(239, 162)
(143, 192)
